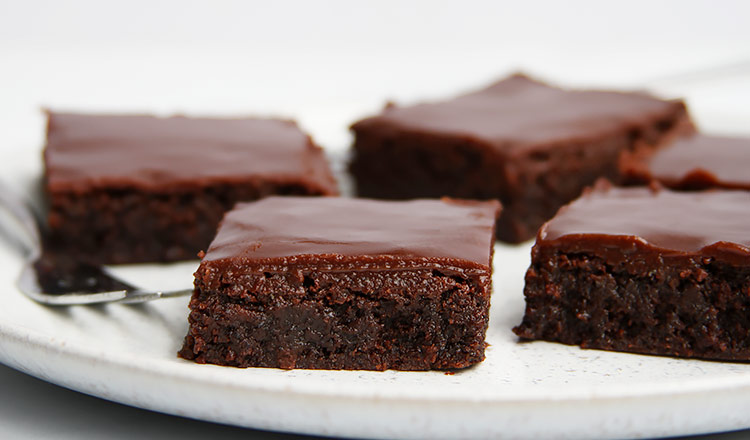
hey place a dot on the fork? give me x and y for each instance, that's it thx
(52, 278)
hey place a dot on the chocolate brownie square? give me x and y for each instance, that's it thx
(644, 270)
(130, 188)
(530, 145)
(333, 283)
(694, 163)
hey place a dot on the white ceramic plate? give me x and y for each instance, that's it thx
(531, 390)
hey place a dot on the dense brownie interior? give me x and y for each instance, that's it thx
(414, 319)
(345, 284)
(130, 225)
(646, 271)
(529, 145)
(684, 307)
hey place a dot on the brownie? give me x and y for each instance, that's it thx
(131, 188)
(530, 145)
(644, 270)
(695, 162)
(334, 283)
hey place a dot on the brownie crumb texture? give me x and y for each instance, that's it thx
(119, 226)
(404, 320)
(693, 308)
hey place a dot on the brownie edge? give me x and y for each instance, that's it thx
(360, 294)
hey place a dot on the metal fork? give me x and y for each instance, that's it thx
(52, 278)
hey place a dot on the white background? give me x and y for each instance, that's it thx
(326, 63)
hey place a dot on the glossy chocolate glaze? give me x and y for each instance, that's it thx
(370, 233)
(703, 161)
(653, 223)
(150, 152)
(518, 113)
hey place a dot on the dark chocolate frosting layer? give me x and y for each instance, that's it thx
(710, 160)
(708, 222)
(518, 113)
(147, 151)
(277, 230)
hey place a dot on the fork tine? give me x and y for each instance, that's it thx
(115, 296)
(139, 296)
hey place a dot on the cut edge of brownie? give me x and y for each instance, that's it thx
(119, 225)
(406, 319)
(688, 306)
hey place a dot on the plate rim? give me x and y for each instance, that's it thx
(495, 417)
